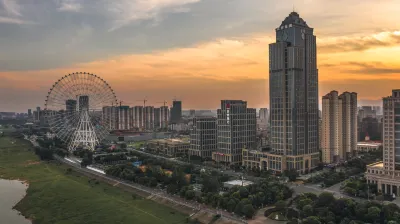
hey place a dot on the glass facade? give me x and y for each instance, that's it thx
(294, 91)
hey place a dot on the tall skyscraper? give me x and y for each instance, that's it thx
(339, 125)
(70, 108)
(293, 82)
(348, 109)
(29, 113)
(37, 118)
(386, 174)
(157, 118)
(263, 117)
(203, 137)
(176, 112)
(236, 130)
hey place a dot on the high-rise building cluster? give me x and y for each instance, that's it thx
(339, 126)
(142, 117)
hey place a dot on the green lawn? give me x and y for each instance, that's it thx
(57, 197)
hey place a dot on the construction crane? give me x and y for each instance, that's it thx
(144, 102)
(164, 102)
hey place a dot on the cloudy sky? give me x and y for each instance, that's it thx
(199, 51)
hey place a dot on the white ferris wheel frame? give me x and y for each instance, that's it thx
(80, 126)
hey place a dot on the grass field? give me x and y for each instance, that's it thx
(56, 196)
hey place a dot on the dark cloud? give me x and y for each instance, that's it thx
(359, 44)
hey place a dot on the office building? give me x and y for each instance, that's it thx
(339, 126)
(262, 120)
(203, 137)
(371, 127)
(157, 118)
(176, 112)
(386, 174)
(236, 130)
(377, 109)
(37, 118)
(293, 86)
(29, 113)
(169, 147)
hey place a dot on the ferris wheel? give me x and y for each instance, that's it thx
(79, 110)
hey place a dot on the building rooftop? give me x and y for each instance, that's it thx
(369, 144)
(239, 182)
(376, 165)
(172, 141)
(294, 18)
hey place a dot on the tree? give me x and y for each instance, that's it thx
(311, 220)
(325, 199)
(172, 188)
(291, 174)
(307, 210)
(280, 205)
(248, 210)
(303, 202)
(243, 192)
(190, 194)
(373, 213)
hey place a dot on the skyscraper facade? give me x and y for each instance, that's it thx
(176, 112)
(386, 174)
(236, 130)
(339, 125)
(203, 137)
(348, 139)
(157, 118)
(293, 82)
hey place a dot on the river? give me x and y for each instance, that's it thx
(11, 192)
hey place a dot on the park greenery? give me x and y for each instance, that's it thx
(182, 179)
(359, 187)
(309, 208)
(57, 194)
(347, 170)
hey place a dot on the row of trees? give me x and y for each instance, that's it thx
(325, 208)
(178, 179)
(359, 187)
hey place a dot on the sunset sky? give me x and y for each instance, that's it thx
(199, 51)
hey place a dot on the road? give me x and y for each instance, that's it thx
(159, 194)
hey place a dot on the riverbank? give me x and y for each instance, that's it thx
(58, 195)
(11, 192)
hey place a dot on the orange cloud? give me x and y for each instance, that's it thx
(202, 75)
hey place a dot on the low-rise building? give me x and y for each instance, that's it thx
(261, 159)
(169, 147)
(368, 146)
(233, 183)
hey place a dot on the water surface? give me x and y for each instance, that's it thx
(11, 192)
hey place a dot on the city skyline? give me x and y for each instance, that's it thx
(160, 49)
